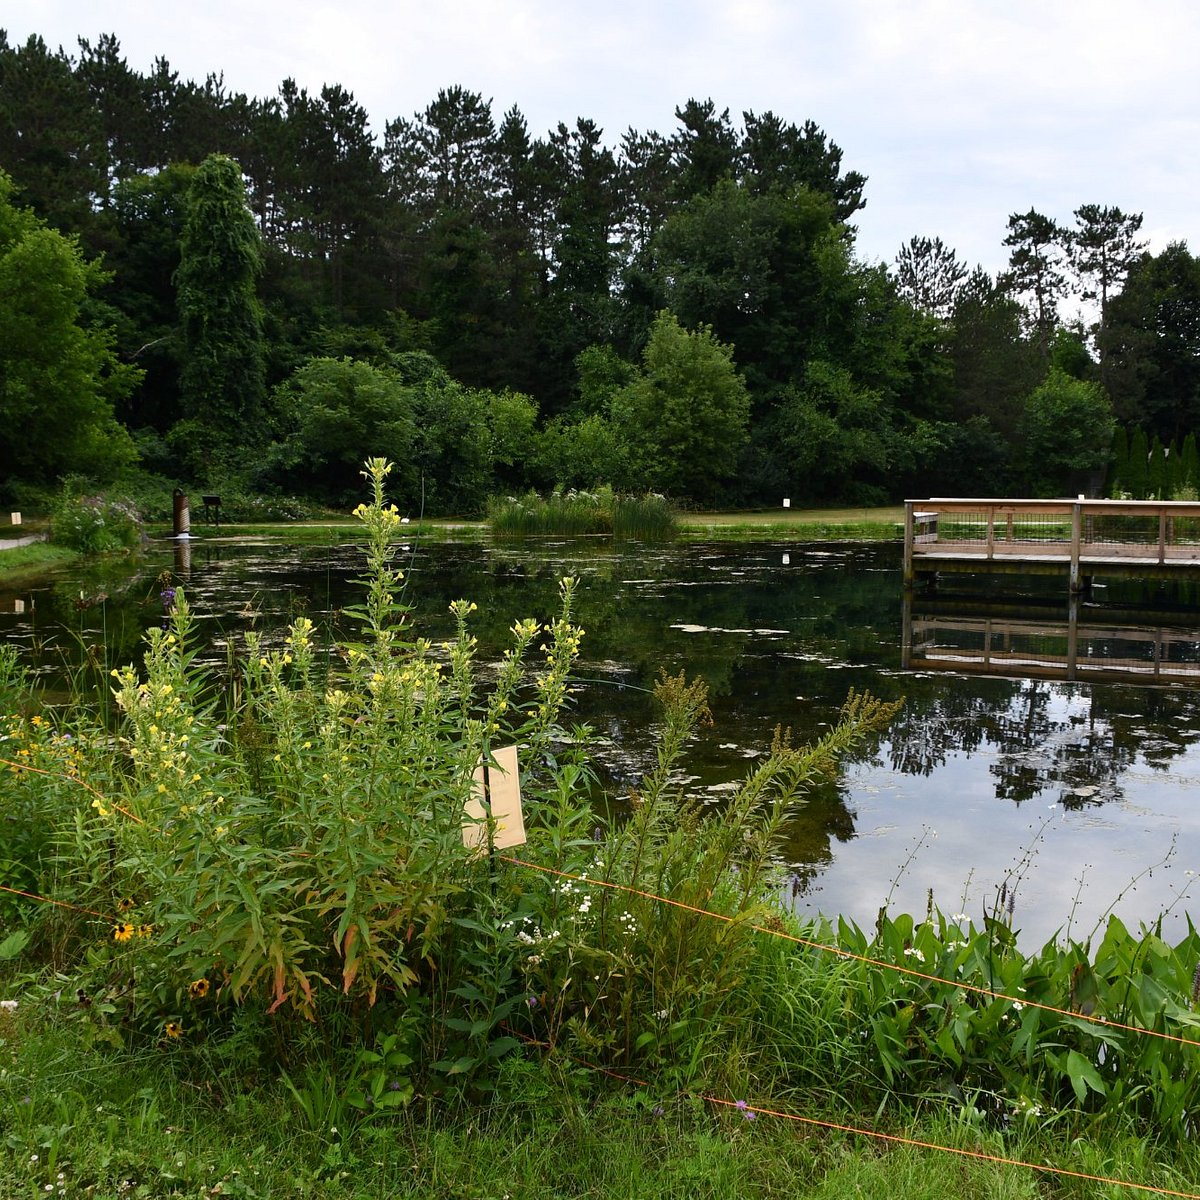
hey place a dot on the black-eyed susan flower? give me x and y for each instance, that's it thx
(198, 989)
(173, 1029)
(124, 905)
(122, 931)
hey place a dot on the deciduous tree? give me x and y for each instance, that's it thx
(59, 377)
(685, 417)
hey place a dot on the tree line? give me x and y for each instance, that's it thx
(264, 290)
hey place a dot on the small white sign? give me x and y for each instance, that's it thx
(498, 790)
(16, 518)
(787, 503)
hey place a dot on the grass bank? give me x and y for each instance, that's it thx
(810, 524)
(79, 1120)
(26, 562)
(805, 524)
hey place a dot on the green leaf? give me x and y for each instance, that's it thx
(1083, 1075)
(458, 1067)
(13, 944)
(502, 1046)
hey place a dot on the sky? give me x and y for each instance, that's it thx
(959, 112)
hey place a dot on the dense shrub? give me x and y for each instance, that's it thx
(95, 524)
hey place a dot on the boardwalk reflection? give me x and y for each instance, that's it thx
(1084, 643)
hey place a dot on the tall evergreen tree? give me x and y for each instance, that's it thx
(221, 386)
(1138, 473)
(51, 140)
(1189, 467)
(1035, 270)
(928, 276)
(1118, 468)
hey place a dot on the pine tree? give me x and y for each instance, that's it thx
(1118, 467)
(1137, 472)
(1156, 471)
(1189, 467)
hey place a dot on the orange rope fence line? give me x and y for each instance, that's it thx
(59, 903)
(1001, 1160)
(981, 1155)
(976, 989)
(16, 766)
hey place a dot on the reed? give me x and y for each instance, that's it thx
(576, 513)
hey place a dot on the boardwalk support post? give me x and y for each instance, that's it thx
(908, 543)
(1076, 537)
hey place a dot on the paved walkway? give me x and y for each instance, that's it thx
(16, 543)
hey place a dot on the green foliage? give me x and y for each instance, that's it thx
(94, 524)
(1026, 1054)
(582, 454)
(1151, 343)
(644, 976)
(574, 512)
(1137, 475)
(59, 377)
(831, 430)
(685, 416)
(1067, 428)
(330, 408)
(453, 445)
(222, 383)
(316, 851)
(1188, 477)
(1118, 466)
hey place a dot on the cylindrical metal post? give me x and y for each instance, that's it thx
(183, 523)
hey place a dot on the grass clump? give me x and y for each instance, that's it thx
(575, 513)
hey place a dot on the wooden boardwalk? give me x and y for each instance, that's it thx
(1081, 539)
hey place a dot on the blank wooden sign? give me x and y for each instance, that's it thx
(503, 789)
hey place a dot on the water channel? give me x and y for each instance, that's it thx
(1079, 794)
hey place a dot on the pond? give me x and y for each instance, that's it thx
(1074, 796)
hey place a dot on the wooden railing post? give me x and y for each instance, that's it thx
(908, 543)
(1076, 531)
(1162, 536)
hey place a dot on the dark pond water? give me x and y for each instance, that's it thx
(1081, 794)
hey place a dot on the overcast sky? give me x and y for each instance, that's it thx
(959, 112)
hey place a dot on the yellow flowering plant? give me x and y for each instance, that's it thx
(296, 840)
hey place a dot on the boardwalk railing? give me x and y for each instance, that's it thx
(1082, 537)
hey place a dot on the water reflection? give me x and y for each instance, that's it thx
(1084, 642)
(1051, 779)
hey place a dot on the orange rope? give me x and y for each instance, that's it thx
(60, 903)
(1001, 1160)
(850, 954)
(72, 779)
(977, 1154)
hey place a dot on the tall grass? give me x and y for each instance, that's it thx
(577, 513)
